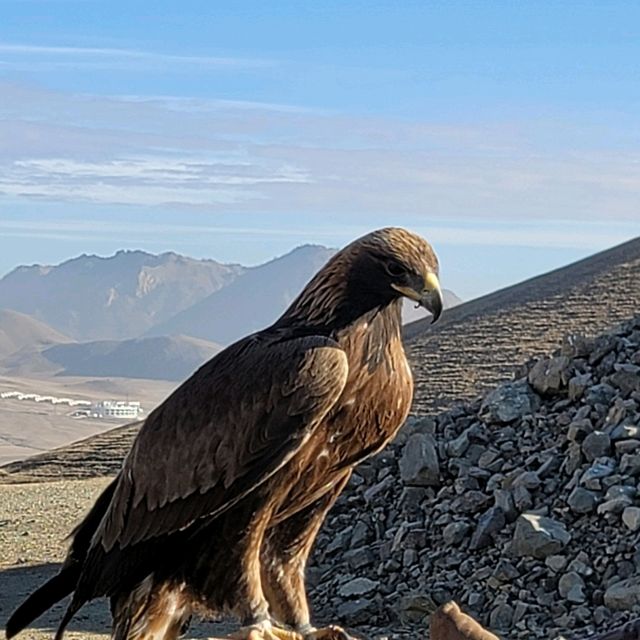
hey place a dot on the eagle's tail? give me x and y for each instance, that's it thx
(42, 599)
(66, 581)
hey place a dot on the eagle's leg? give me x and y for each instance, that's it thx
(285, 551)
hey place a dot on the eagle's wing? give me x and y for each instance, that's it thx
(223, 432)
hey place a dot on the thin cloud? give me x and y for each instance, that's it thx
(100, 55)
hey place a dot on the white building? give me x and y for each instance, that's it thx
(116, 409)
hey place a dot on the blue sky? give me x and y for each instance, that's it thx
(507, 133)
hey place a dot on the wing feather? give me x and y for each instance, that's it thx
(223, 432)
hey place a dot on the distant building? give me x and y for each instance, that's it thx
(116, 409)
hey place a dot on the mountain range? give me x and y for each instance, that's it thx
(140, 315)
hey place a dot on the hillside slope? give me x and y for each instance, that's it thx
(162, 358)
(251, 302)
(18, 330)
(476, 344)
(121, 296)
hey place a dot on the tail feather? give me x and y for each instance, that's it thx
(42, 599)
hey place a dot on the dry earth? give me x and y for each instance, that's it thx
(28, 428)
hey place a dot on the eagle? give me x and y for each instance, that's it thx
(221, 496)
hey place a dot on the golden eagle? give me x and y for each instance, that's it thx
(219, 501)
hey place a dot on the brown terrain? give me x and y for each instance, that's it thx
(474, 347)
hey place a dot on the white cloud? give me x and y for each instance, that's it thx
(20, 55)
(250, 158)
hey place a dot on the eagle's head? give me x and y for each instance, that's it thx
(392, 263)
(369, 274)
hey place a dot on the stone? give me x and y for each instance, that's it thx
(538, 536)
(419, 462)
(630, 464)
(631, 518)
(455, 532)
(601, 468)
(357, 587)
(457, 447)
(556, 563)
(508, 402)
(490, 522)
(577, 386)
(503, 499)
(595, 445)
(415, 608)
(571, 587)
(582, 501)
(501, 617)
(550, 375)
(626, 431)
(356, 612)
(623, 595)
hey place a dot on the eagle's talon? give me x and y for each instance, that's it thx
(330, 632)
(264, 630)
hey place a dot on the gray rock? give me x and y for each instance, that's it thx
(356, 612)
(556, 563)
(571, 587)
(455, 532)
(601, 468)
(596, 445)
(508, 402)
(623, 595)
(577, 386)
(459, 445)
(419, 463)
(503, 499)
(582, 500)
(490, 522)
(501, 617)
(630, 464)
(631, 518)
(626, 431)
(415, 608)
(550, 375)
(538, 536)
(358, 587)
(614, 505)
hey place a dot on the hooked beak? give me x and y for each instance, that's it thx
(430, 297)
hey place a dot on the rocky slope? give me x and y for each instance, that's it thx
(476, 345)
(523, 505)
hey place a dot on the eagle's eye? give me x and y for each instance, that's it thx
(394, 268)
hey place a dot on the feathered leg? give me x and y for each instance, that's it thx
(285, 552)
(150, 612)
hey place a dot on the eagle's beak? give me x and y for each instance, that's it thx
(430, 297)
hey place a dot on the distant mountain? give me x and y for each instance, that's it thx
(18, 331)
(251, 302)
(162, 358)
(122, 296)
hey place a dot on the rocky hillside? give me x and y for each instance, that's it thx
(95, 298)
(522, 505)
(475, 345)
